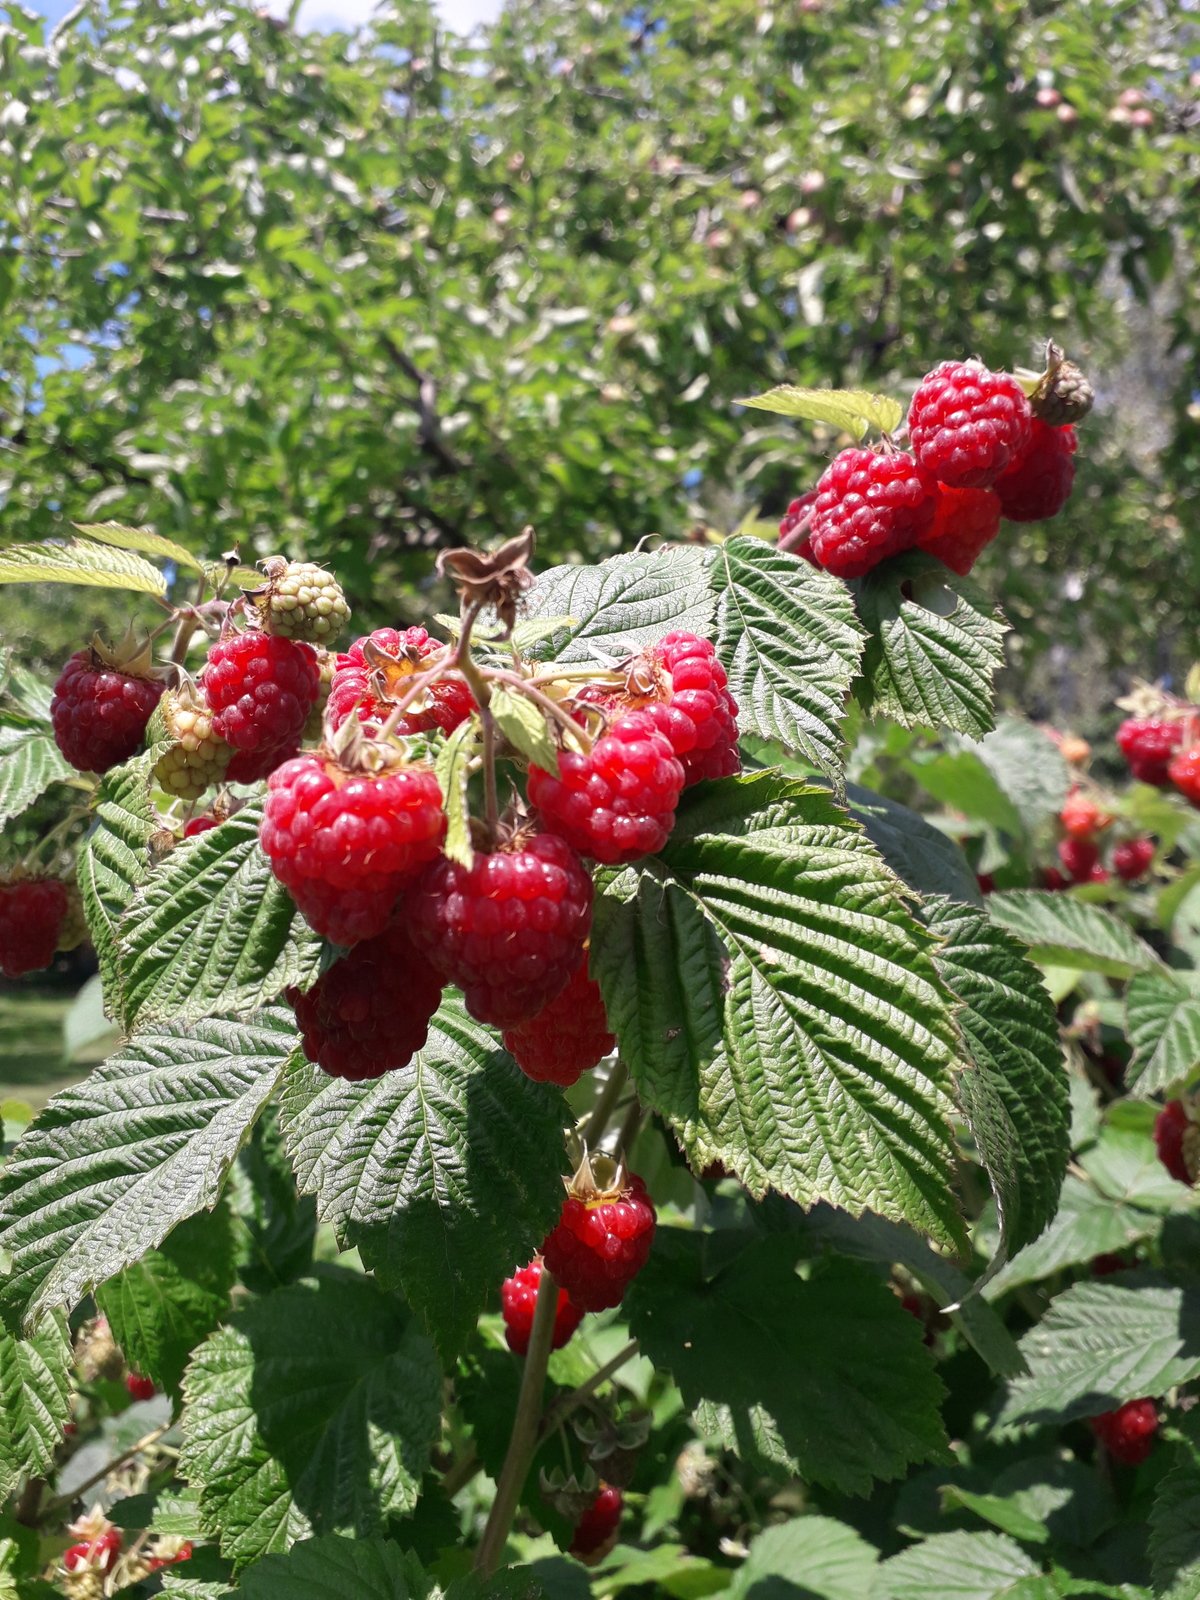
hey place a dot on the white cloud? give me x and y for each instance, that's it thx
(459, 15)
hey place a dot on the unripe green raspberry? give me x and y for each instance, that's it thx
(300, 601)
(197, 759)
(315, 726)
(1064, 394)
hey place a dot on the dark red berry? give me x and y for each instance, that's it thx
(596, 1530)
(141, 1388)
(986, 882)
(600, 1242)
(1128, 1433)
(964, 522)
(698, 715)
(870, 504)
(1053, 879)
(1177, 1140)
(344, 844)
(369, 1013)
(510, 929)
(794, 533)
(967, 424)
(201, 824)
(518, 1300)
(98, 1554)
(1148, 743)
(1106, 1263)
(378, 669)
(251, 766)
(100, 713)
(567, 1037)
(1184, 773)
(260, 689)
(1079, 858)
(1131, 859)
(1039, 484)
(32, 913)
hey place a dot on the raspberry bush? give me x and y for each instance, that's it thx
(646, 1071)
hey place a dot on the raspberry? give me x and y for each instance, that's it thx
(300, 600)
(567, 1037)
(1177, 1142)
(1128, 1432)
(375, 672)
(201, 824)
(618, 802)
(1106, 1263)
(1132, 859)
(509, 929)
(97, 1554)
(964, 522)
(870, 504)
(985, 882)
(1053, 879)
(1081, 817)
(1079, 858)
(99, 712)
(518, 1299)
(1148, 743)
(601, 1240)
(350, 1021)
(1184, 773)
(32, 913)
(249, 766)
(793, 521)
(139, 1387)
(197, 758)
(345, 843)
(260, 689)
(169, 1553)
(699, 718)
(1038, 485)
(1064, 394)
(596, 1530)
(968, 425)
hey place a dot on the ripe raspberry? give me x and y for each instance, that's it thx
(567, 1037)
(618, 802)
(699, 717)
(596, 1530)
(350, 1021)
(250, 766)
(201, 824)
(1148, 743)
(377, 670)
(300, 600)
(1079, 858)
(968, 425)
(986, 882)
(1106, 1263)
(1098, 875)
(99, 712)
(1053, 879)
(139, 1387)
(1038, 485)
(96, 1554)
(1128, 1432)
(509, 930)
(1184, 773)
(1132, 859)
(602, 1238)
(345, 843)
(793, 521)
(518, 1300)
(964, 522)
(1081, 817)
(870, 504)
(1177, 1140)
(260, 689)
(197, 758)
(32, 913)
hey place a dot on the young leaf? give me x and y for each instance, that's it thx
(1163, 1014)
(95, 565)
(112, 1164)
(524, 726)
(851, 410)
(315, 1407)
(785, 1370)
(1064, 932)
(778, 1005)
(29, 764)
(453, 769)
(445, 1173)
(967, 1566)
(788, 639)
(933, 647)
(35, 1400)
(145, 540)
(623, 604)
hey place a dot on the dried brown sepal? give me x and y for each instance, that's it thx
(496, 578)
(597, 1180)
(1064, 394)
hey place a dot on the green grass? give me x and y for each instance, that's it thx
(33, 1063)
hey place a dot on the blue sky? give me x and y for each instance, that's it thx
(461, 15)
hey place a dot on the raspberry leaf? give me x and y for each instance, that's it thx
(370, 1569)
(852, 411)
(1163, 1015)
(97, 566)
(29, 764)
(788, 639)
(1064, 932)
(915, 850)
(524, 726)
(1175, 1521)
(784, 1370)
(35, 1401)
(317, 1405)
(837, 1562)
(622, 604)
(453, 770)
(444, 1173)
(969, 1566)
(112, 1164)
(144, 540)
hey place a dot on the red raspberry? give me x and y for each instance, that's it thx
(596, 1530)
(198, 825)
(1148, 743)
(600, 1242)
(1053, 879)
(184, 1553)
(1039, 484)
(99, 713)
(260, 689)
(1079, 858)
(377, 669)
(351, 1024)
(249, 766)
(1128, 1432)
(617, 803)
(32, 913)
(699, 717)
(1175, 1138)
(518, 1300)
(567, 1037)
(345, 843)
(139, 1387)
(964, 522)
(1106, 1263)
(1081, 817)
(986, 882)
(793, 519)
(509, 930)
(1132, 859)
(870, 504)
(1184, 773)
(967, 424)
(94, 1555)
(1098, 875)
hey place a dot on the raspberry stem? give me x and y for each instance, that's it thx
(614, 1086)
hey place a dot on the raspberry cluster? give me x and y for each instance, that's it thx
(1082, 821)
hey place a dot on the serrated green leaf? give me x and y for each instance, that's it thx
(95, 565)
(313, 1409)
(836, 1562)
(177, 1515)
(777, 1004)
(371, 1569)
(35, 1400)
(1104, 1342)
(206, 1576)
(622, 604)
(524, 726)
(1001, 1513)
(1029, 768)
(1065, 932)
(213, 930)
(785, 1370)
(453, 771)
(1014, 1090)
(933, 647)
(145, 540)
(917, 852)
(788, 640)
(278, 1224)
(1175, 1522)
(112, 1164)
(966, 1566)
(444, 1173)
(851, 410)
(1163, 1020)
(29, 764)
